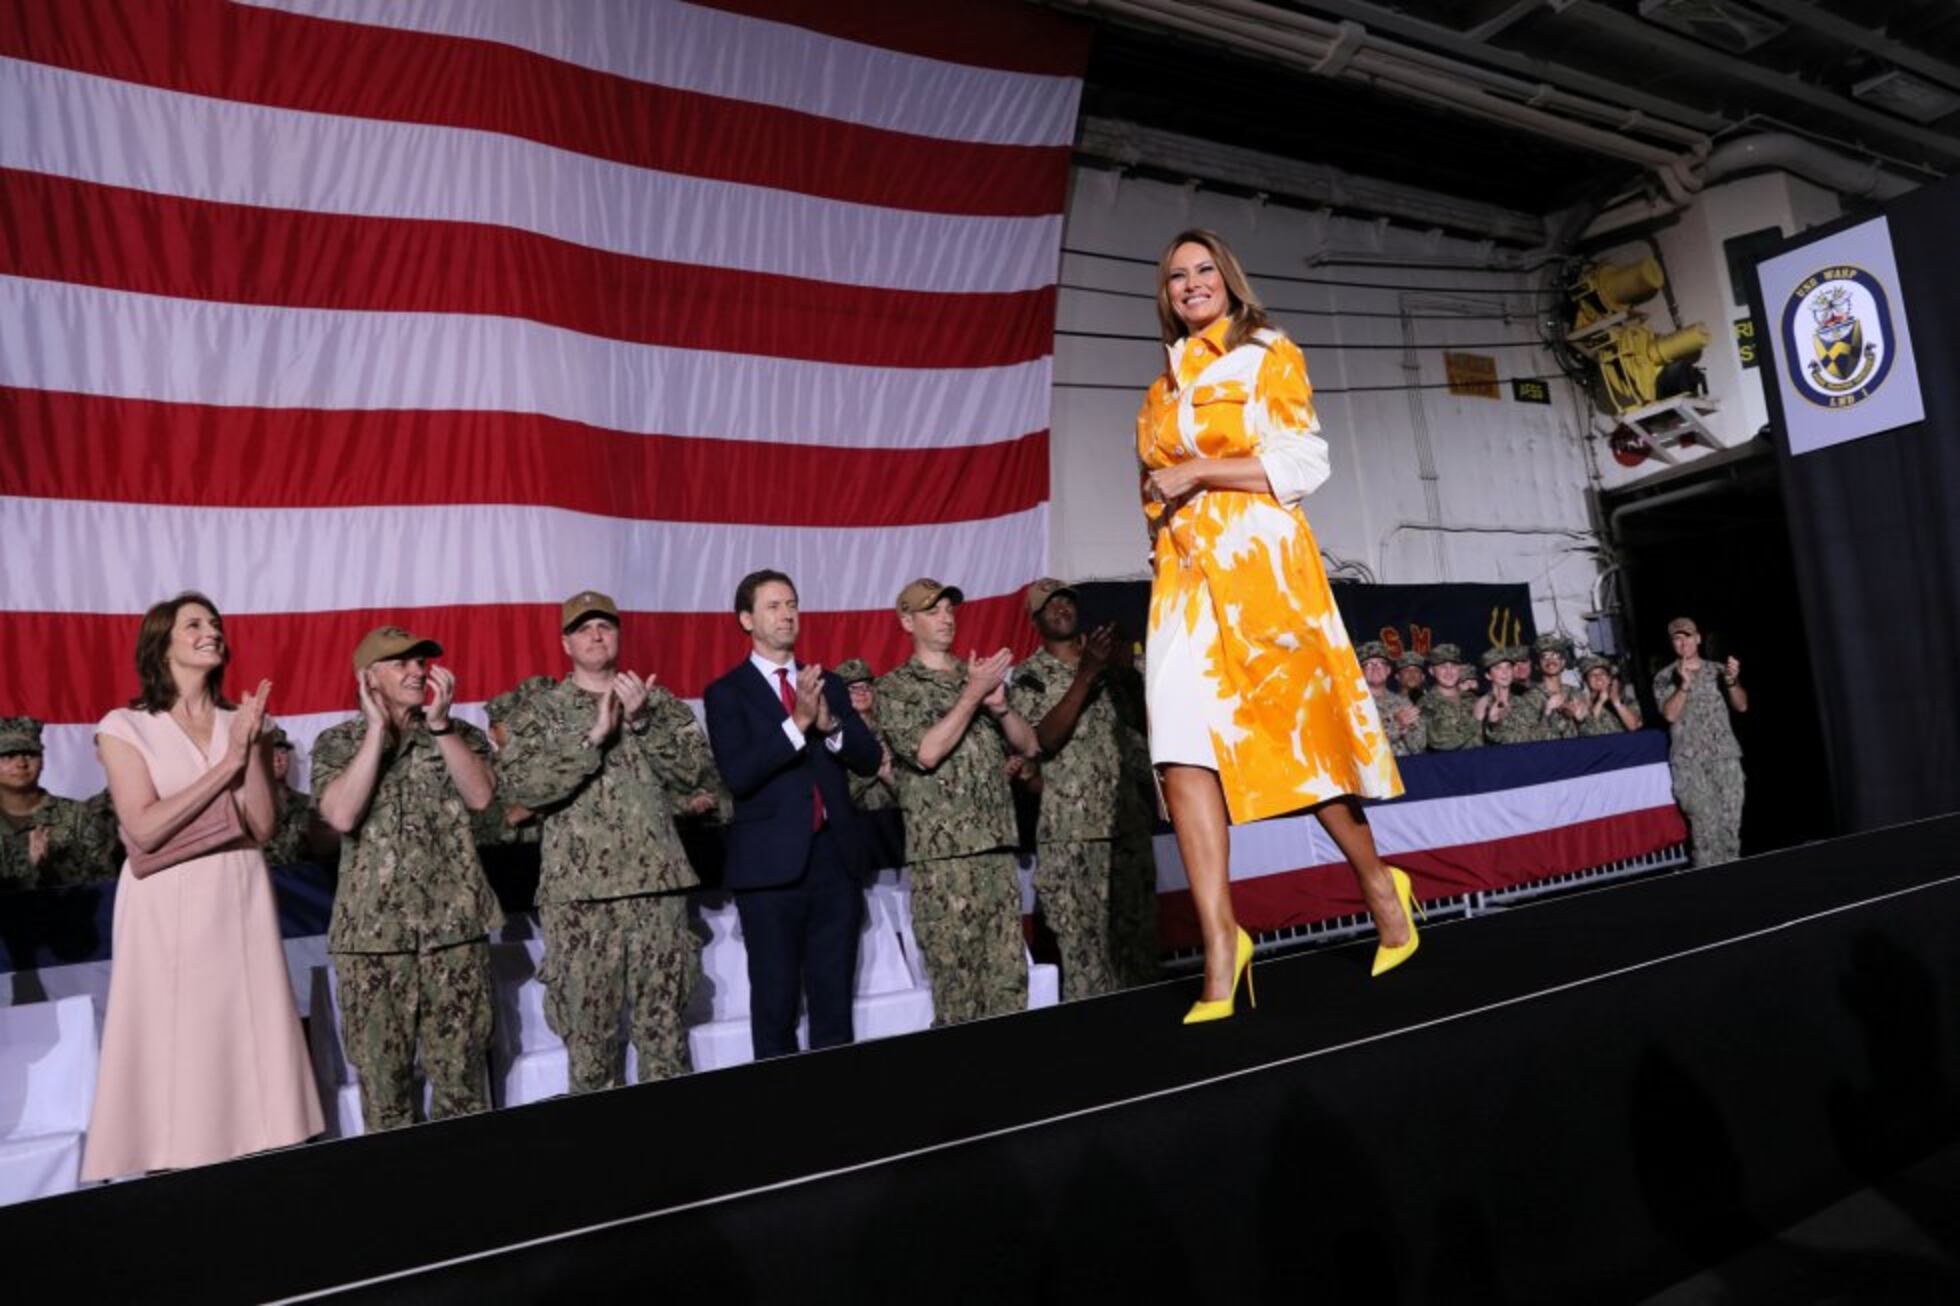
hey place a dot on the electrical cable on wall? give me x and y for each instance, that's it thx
(1325, 312)
(1332, 281)
(1322, 344)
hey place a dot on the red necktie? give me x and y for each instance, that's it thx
(789, 708)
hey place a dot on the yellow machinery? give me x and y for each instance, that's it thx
(1636, 365)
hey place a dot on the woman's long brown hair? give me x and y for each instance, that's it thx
(1248, 314)
(158, 690)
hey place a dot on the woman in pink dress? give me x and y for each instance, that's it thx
(202, 1058)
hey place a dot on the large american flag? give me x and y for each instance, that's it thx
(439, 311)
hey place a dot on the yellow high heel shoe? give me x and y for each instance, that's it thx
(1387, 958)
(1241, 970)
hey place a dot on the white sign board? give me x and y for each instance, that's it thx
(1837, 328)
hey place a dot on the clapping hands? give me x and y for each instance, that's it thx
(986, 679)
(248, 724)
(442, 688)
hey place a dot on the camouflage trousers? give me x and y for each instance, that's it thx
(393, 1002)
(1072, 889)
(966, 915)
(1709, 791)
(599, 957)
(1135, 954)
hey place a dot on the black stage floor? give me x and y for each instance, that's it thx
(1585, 1100)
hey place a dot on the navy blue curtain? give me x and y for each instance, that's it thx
(1875, 535)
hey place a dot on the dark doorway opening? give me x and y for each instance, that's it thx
(1713, 543)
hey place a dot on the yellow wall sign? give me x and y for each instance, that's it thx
(1530, 390)
(1474, 375)
(1745, 341)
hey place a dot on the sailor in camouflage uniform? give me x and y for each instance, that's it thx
(949, 726)
(1609, 709)
(1696, 698)
(1563, 704)
(1400, 718)
(412, 908)
(1412, 675)
(606, 760)
(1511, 714)
(1522, 669)
(1060, 690)
(295, 836)
(47, 840)
(1449, 716)
(875, 792)
(1135, 948)
(505, 823)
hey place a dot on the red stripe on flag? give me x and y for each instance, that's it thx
(262, 56)
(1006, 34)
(72, 446)
(308, 655)
(56, 229)
(1320, 893)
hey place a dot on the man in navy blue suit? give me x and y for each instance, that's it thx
(782, 736)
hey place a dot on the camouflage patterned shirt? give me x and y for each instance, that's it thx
(82, 844)
(1523, 721)
(1702, 732)
(1402, 740)
(288, 843)
(608, 812)
(1082, 784)
(1450, 723)
(1560, 723)
(1607, 721)
(964, 804)
(409, 876)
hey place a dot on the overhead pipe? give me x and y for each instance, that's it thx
(1859, 37)
(1627, 27)
(1316, 46)
(1764, 151)
(1470, 46)
(1537, 93)
(1132, 144)
(1300, 48)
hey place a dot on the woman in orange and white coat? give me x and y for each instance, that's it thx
(1257, 704)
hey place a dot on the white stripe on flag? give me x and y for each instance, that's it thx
(117, 557)
(80, 339)
(89, 128)
(1277, 847)
(741, 58)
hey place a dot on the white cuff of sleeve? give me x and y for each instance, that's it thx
(796, 739)
(1296, 464)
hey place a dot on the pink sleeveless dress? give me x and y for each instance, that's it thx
(202, 1058)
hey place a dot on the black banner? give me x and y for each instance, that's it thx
(1876, 539)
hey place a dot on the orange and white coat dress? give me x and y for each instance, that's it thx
(1248, 669)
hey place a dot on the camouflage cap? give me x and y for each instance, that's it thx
(386, 643)
(1553, 642)
(1495, 654)
(924, 592)
(1443, 653)
(1594, 663)
(856, 671)
(276, 736)
(1411, 659)
(19, 734)
(1044, 589)
(1519, 653)
(501, 707)
(586, 603)
(1682, 626)
(1375, 649)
